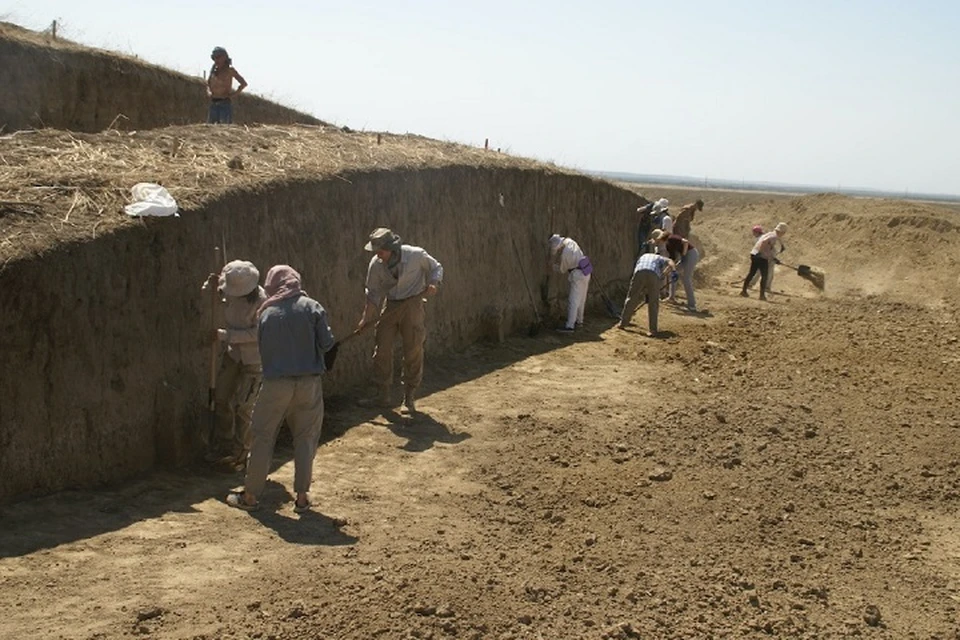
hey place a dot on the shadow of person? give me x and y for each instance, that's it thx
(310, 527)
(683, 310)
(421, 430)
(663, 335)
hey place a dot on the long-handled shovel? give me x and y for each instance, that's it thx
(815, 276)
(214, 353)
(538, 324)
(612, 310)
(330, 357)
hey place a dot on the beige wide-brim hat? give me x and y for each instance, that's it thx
(238, 278)
(382, 238)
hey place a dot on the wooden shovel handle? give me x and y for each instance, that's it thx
(215, 343)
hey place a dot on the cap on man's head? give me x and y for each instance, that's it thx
(383, 238)
(219, 51)
(781, 228)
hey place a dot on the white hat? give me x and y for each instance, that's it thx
(781, 228)
(238, 278)
(555, 241)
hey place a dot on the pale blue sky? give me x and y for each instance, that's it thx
(853, 93)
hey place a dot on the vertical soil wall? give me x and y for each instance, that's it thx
(81, 89)
(104, 343)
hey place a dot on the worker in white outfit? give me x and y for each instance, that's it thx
(660, 209)
(567, 257)
(666, 222)
(660, 206)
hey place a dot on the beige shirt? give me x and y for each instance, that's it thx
(414, 272)
(766, 245)
(240, 316)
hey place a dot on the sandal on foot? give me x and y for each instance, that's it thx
(297, 508)
(237, 500)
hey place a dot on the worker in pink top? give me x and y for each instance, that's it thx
(771, 265)
(762, 255)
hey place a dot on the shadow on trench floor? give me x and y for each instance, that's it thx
(67, 516)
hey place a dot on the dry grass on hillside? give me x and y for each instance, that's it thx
(58, 186)
(42, 38)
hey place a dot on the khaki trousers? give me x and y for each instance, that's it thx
(644, 283)
(300, 401)
(405, 317)
(234, 398)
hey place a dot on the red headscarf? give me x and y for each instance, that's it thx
(282, 282)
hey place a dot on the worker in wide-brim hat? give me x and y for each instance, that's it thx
(399, 276)
(293, 335)
(567, 257)
(239, 375)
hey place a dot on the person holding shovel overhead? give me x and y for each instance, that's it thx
(567, 257)
(402, 275)
(293, 335)
(238, 377)
(647, 281)
(763, 253)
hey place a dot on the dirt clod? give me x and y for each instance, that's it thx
(149, 614)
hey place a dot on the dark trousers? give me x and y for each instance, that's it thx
(643, 237)
(758, 263)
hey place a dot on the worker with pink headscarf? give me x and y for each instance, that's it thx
(293, 335)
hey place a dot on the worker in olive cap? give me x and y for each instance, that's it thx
(681, 226)
(398, 279)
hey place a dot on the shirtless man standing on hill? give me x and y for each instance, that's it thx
(220, 87)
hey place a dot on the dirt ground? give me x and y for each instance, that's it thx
(783, 469)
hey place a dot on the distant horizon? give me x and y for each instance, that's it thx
(707, 182)
(820, 93)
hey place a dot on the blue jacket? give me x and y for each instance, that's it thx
(293, 336)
